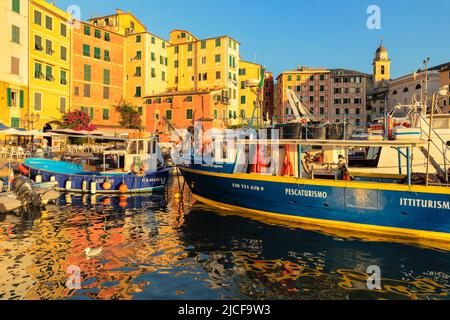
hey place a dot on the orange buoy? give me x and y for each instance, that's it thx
(106, 201)
(107, 185)
(123, 188)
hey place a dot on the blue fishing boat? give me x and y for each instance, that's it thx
(132, 169)
(309, 181)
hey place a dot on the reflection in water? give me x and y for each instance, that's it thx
(156, 247)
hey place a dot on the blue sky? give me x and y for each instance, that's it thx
(285, 33)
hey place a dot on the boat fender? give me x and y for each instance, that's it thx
(123, 187)
(24, 170)
(69, 184)
(93, 186)
(52, 178)
(106, 185)
(84, 185)
(38, 178)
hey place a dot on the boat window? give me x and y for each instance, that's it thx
(152, 147)
(448, 143)
(141, 147)
(133, 147)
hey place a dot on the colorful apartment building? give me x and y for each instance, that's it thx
(269, 96)
(348, 97)
(205, 64)
(312, 87)
(248, 109)
(146, 68)
(49, 64)
(14, 62)
(98, 74)
(183, 109)
(145, 57)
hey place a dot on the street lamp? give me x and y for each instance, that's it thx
(31, 119)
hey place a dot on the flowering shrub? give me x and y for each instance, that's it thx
(129, 116)
(78, 121)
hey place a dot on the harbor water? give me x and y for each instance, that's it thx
(166, 246)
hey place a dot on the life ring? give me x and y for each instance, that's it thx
(134, 168)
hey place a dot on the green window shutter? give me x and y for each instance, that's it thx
(8, 96)
(97, 33)
(21, 98)
(169, 114)
(92, 113)
(243, 99)
(86, 50)
(106, 77)
(107, 36)
(87, 72)
(16, 6)
(140, 111)
(105, 114)
(15, 34)
(97, 53)
(107, 58)
(87, 30)
(15, 122)
(189, 114)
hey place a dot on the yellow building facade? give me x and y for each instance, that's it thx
(14, 62)
(145, 58)
(247, 96)
(49, 64)
(205, 64)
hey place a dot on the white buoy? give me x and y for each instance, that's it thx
(68, 184)
(38, 178)
(93, 187)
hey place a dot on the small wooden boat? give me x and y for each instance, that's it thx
(135, 171)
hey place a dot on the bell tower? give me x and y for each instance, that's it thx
(381, 66)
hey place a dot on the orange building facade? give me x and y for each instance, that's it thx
(312, 87)
(182, 110)
(98, 74)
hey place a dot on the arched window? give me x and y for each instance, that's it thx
(405, 89)
(394, 92)
(418, 87)
(382, 70)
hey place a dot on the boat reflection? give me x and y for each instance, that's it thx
(265, 260)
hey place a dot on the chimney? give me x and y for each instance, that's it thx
(118, 11)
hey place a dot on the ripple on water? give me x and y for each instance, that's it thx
(158, 248)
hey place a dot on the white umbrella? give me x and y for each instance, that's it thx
(11, 132)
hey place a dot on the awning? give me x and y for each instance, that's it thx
(114, 130)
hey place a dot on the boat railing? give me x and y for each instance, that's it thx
(443, 150)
